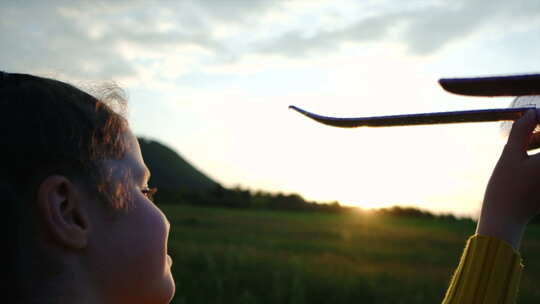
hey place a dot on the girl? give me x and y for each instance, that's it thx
(84, 229)
(75, 183)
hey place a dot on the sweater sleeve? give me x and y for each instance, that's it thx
(489, 272)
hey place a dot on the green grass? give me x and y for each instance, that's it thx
(257, 256)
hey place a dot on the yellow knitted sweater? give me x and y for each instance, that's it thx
(489, 272)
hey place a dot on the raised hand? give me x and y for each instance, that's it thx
(512, 196)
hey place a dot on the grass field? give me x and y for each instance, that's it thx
(257, 256)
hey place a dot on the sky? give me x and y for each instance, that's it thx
(213, 80)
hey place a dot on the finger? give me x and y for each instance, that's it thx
(521, 133)
(534, 142)
(534, 159)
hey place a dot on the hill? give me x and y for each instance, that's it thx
(171, 172)
(179, 182)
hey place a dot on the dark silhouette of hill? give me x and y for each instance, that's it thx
(178, 182)
(170, 172)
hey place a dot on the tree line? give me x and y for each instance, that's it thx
(240, 198)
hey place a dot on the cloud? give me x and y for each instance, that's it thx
(297, 44)
(424, 29)
(38, 38)
(120, 39)
(86, 39)
(431, 29)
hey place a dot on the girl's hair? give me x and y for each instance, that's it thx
(51, 127)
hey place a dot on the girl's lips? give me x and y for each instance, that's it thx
(169, 259)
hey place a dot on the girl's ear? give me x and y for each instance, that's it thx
(60, 212)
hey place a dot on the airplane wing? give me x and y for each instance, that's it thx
(516, 85)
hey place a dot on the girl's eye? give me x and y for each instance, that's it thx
(149, 192)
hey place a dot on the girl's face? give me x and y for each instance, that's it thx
(129, 254)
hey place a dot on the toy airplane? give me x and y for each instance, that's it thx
(525, 87)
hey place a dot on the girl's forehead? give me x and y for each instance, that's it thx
(130, 140)
(133, 157)
(131, 163)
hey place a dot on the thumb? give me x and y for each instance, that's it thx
(521, 132)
